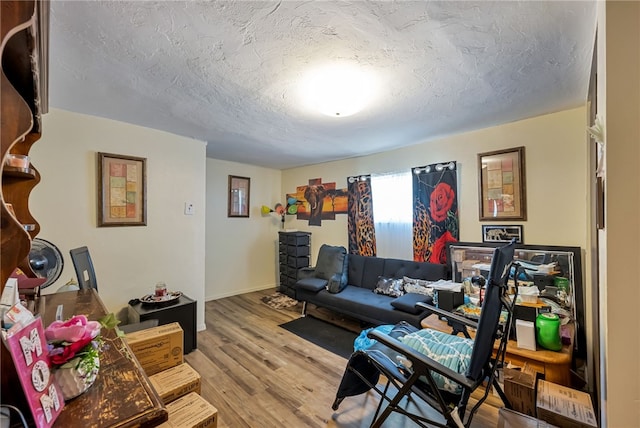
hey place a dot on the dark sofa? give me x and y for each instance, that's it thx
(361, 275)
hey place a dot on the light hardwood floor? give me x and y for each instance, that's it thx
(260, 375)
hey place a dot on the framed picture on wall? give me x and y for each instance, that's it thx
(122, 190)
(239, 192)
(501, 185)
(504, 233)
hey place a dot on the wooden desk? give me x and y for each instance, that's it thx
(121, 395)
(554, 365)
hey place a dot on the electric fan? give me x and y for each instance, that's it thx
(46, 261)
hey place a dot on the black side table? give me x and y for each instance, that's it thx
(182, 312)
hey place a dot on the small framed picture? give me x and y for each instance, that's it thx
(501, 183)
(239, 191)
(122, 187)
(505, 233)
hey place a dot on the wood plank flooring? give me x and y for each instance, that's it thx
(260, 375)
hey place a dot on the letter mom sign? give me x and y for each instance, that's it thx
(31, 358)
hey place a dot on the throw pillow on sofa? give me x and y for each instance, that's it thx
(336, 284)
(389, 286)
(407, 303)
(419, 286)
(333, 265)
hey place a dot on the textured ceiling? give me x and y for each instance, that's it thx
(226, 72)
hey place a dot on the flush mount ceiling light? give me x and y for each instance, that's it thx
(338, 90)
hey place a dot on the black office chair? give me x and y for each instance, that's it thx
(83, 265)
(84, 268)
(417, 364)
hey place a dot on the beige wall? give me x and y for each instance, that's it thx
(619, 104)
(240, 252)
(556, 164)
(128, 260)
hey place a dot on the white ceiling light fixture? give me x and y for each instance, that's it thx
(338, 90)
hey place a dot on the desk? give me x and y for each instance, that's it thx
(554, 365)
(122, 395)
(182, 312)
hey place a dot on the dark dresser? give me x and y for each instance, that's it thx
(182, 312)
(294, 253)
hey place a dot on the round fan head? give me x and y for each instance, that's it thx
(46, 261)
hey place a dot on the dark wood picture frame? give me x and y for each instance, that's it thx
(239, 196)
(502, 233)
(501, 185)
(122, 190)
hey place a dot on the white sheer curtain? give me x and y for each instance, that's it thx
(392, 194)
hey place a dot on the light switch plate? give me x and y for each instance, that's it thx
(189, 208)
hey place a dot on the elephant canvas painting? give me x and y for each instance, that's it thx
(317, 201)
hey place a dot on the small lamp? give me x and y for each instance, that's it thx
(278, 209)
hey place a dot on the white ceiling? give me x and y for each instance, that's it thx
(226, 72)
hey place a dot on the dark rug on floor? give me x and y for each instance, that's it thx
(329, 336)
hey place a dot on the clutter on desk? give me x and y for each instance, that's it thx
(528, 294)
(548, 284)
(26, 343)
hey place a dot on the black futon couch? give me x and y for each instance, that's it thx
(345, 282)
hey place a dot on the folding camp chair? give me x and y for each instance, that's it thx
(442, 370)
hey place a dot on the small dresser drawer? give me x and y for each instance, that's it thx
(298, 262)
(297, 251)
(298, 239)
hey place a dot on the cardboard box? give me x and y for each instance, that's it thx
(191, 411)
(175, 382)
(467, 269)
(564, 406)
(158, 348)
(520, 389)
(512, 419)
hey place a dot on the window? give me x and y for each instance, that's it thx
(392, 195)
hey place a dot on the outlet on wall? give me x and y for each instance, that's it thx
(189, 208)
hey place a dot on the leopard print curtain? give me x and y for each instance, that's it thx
(435, 211)
(362, 237)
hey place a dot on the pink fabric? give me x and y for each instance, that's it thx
(75, 329)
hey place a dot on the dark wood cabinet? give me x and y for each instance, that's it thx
(294, 250)
(23, 100)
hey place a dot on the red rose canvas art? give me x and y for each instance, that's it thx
(435, 211)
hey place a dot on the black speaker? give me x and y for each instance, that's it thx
(449, 300)
(529, 313)
(526, 313)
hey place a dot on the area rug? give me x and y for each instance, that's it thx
(329, 336)
(279, 301)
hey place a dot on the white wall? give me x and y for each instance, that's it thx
(619, 252)
(240, 252)
(128, 260)
(556, 164)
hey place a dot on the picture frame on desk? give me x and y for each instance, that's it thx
(502, 233)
